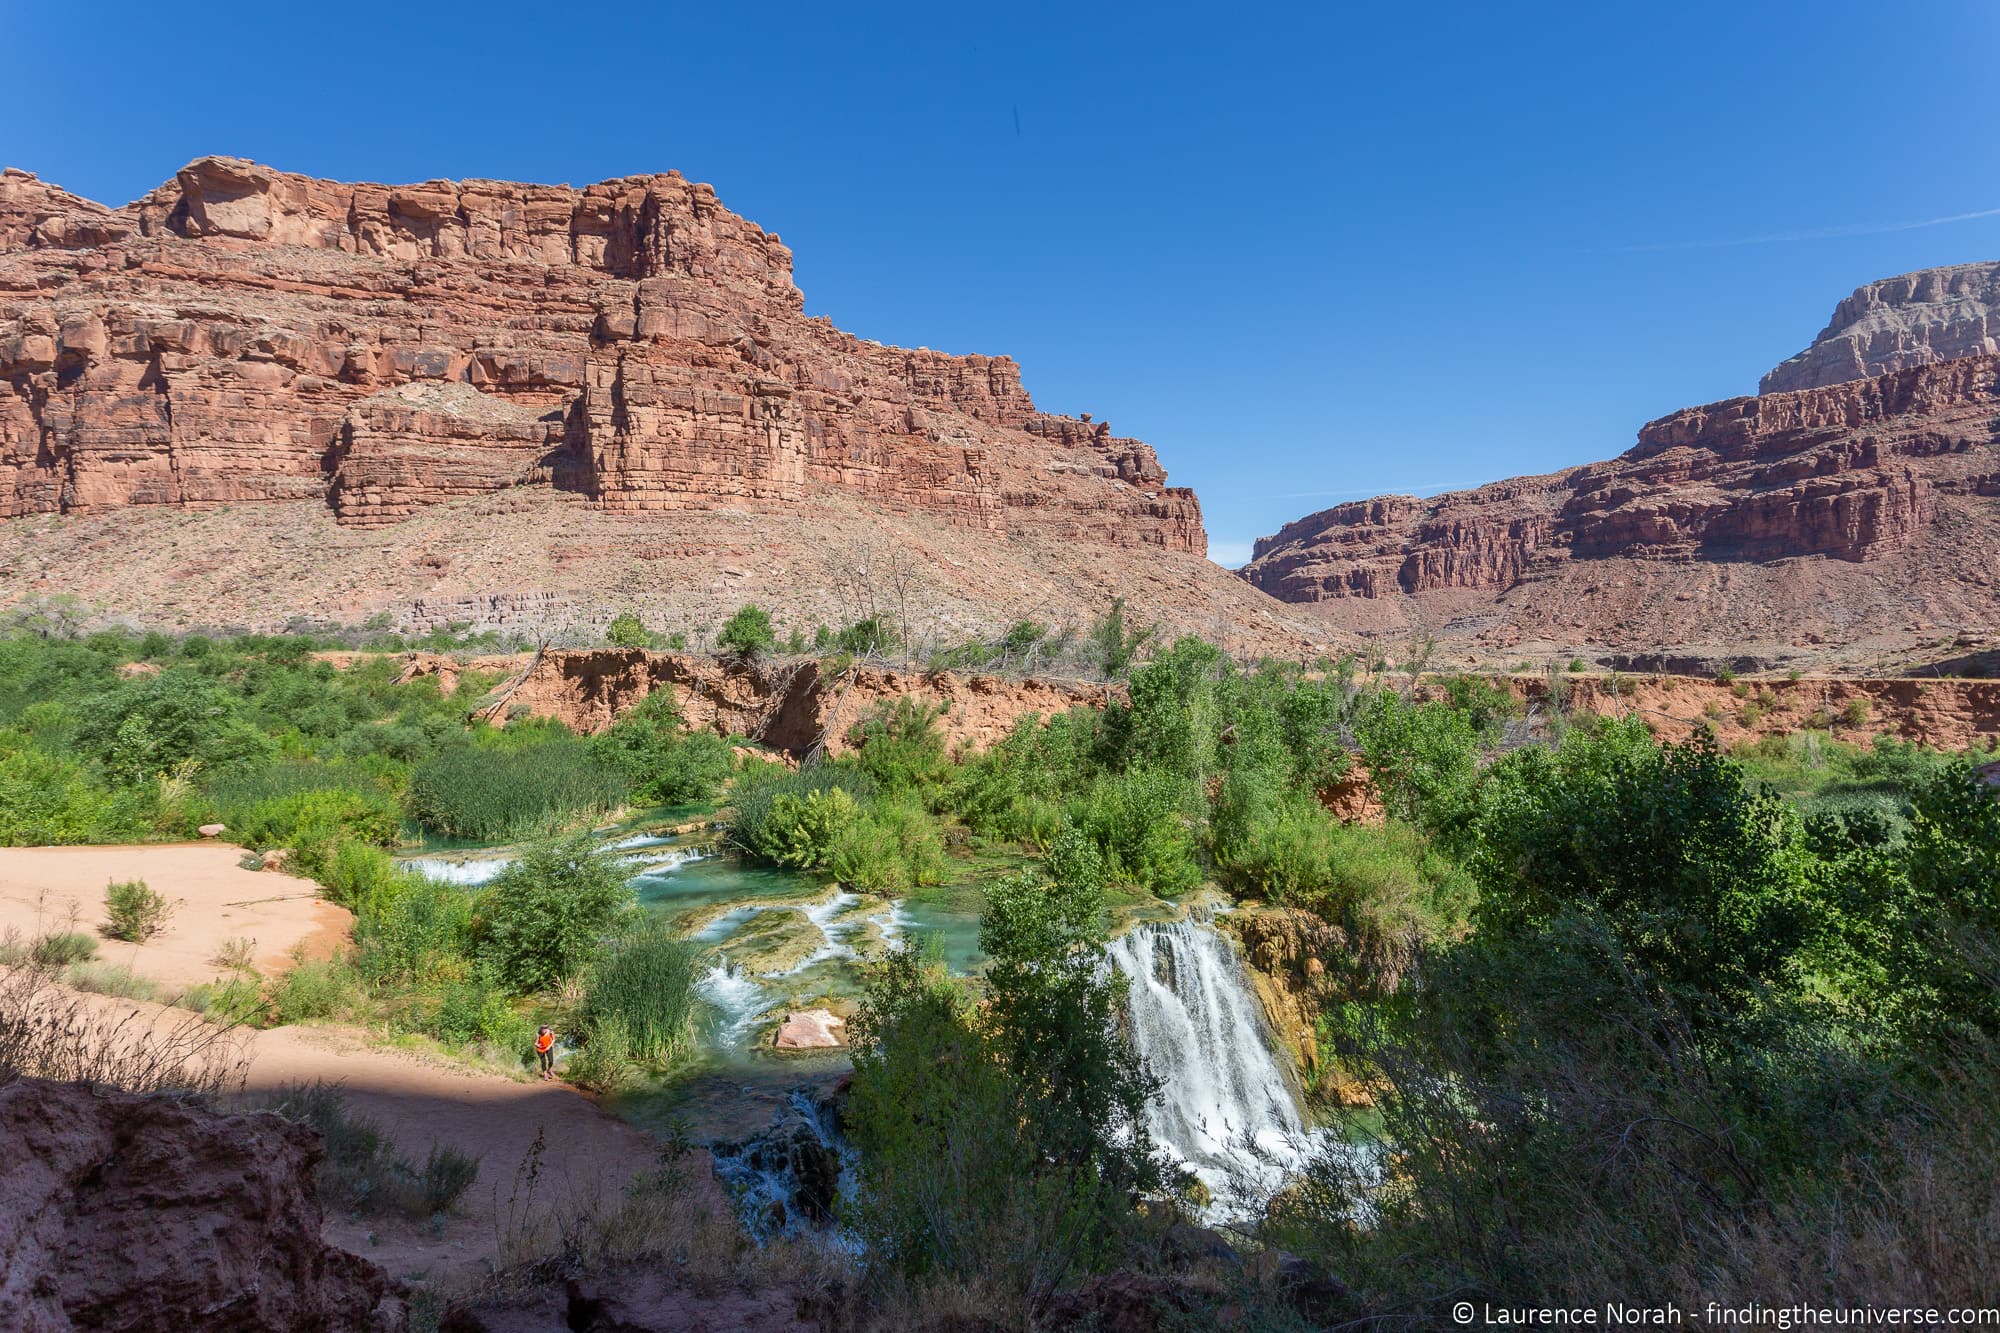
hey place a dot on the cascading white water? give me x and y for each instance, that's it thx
(1225, 1107)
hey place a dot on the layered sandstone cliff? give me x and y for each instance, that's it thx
(253, 399)
(1829, 516)
(241, 335)
(1914, 319)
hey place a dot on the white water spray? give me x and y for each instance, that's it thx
(1225, 1107)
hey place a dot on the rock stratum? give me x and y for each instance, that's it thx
(1916, 319)
(472, 400)
(1858, 515)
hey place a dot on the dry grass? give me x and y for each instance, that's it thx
(49, 1031)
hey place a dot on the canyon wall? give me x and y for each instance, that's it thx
(242, 336)
(1816, 517)
(1914, 319)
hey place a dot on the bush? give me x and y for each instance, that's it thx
(1424, 760)
(360, 1170)
(772, 804)
(472, 1011)
(894, 846)
(315, 824)
(626, 631)
(543, 917)
(323, 988)
(489, 793)
(662, 761)
(155, 724)
(649, 982)
(48, 799)
(62, 950)
(103, 978)
(237, 1000)
(1377, 883)
(1696, 874)
(748, 633)
(1138, 821)
(900, 747)
(600, 1065)
(414, 931)
(1855, 714)
(134, 912)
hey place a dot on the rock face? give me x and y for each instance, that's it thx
(146, 1213)
(1810, 517)
(1934, 314)
(241, 335)
(785, 704)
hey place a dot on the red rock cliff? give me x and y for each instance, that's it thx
(242, 335)
(1897, 473)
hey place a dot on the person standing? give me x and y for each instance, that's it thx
(545, 1051)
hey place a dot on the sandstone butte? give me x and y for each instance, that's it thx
(250, 396)
(1851, 512)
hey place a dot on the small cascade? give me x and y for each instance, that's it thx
(737, 1000)
(789, 1179)
(470, 872)
(1225, 1107)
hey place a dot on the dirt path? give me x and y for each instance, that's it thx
(588, 1155)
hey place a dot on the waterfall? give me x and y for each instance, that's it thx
(1225, 1107)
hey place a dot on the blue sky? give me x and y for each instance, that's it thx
(1311, 254)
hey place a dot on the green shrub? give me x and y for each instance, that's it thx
(769, 804)
(414, 931)
(322, 988)
(154, 724)
(62, 950)
(1695, 870)
(901, 748)
(489, 793)
(662, 760)
(134, 912)
(1138, 820)
(748, 633)
(1424, 760)
(648, 984)
(48, 799)
(472, 1011)
(600, 1065)
(360, 1171)
(875, 636)
(1855, 714)
(236, 1000)
(1576, 664)
(894, 846)
(626, 631)
(1376, 882)
(316, 824)
(104, 978)
(541, 919)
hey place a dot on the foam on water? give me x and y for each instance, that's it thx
(738, 1000)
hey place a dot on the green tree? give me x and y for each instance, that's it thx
(748, 633)
(1698, 877)
(627, 631)
(1005, 1141)
(542, 918)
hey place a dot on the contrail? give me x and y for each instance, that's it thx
(1813, 234)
